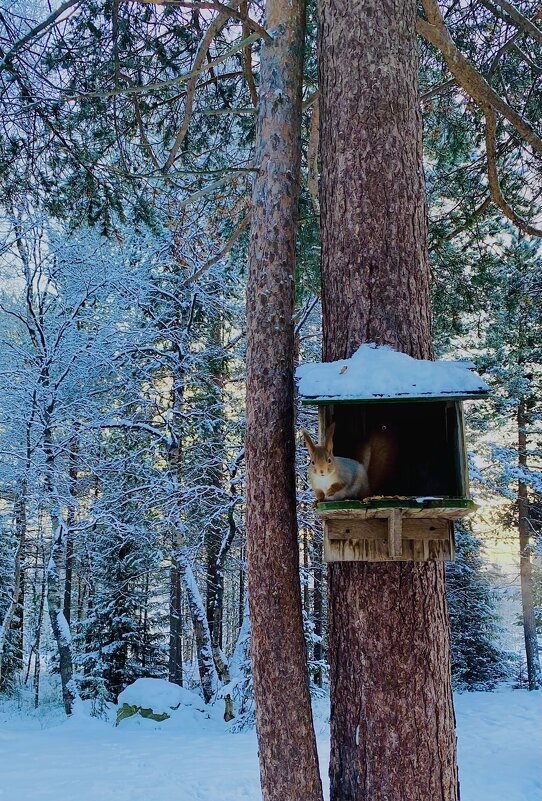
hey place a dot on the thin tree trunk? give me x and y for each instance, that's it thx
(59, 624)
(215, 611)
(37, 644)
(317, 607)
(175, 586)
(204, 649)
(525, 566)
(14, 611)
(70, 520)
(181, 568)
(305, 539)
(175, 627)
(145, 626)
(287, 747)
(214, 535)
(392, 719)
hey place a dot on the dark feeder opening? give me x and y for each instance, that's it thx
(430, 458)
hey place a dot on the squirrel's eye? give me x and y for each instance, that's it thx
(329, 461)
(312, 461)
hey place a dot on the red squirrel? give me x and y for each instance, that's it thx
(337, 478)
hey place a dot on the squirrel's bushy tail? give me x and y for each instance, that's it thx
(378, 455)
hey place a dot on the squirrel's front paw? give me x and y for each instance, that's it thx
(320, 496)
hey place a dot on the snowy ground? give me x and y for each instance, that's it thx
(44, 757)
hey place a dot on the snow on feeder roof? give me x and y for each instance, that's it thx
(379, 373)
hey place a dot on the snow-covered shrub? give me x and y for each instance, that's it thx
(155, 699)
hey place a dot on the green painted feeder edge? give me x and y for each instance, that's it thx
(399, 503)
(329, 401)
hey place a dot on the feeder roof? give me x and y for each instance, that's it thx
(379, 373)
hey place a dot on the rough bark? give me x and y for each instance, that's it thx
(392, 719)
(534, 675)
(287, 748)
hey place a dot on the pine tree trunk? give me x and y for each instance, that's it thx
(534, 675)
(287, 747)
(392, 719)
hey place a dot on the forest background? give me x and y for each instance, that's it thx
(127, 157)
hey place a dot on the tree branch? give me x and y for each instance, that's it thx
(201, 55)
(493, 177)
(478, 211)
(151, 87)
(143, 136)
(438, 90)
(466, 74)
(228, 11)
(225, 250)
(33, 32)
(516, 17)
(312, 156)
(247, 57)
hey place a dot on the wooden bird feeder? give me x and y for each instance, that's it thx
(420, 404)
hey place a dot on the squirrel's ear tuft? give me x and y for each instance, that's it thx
(329, 437)
(308, 440)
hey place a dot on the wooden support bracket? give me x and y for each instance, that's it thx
(395, 534)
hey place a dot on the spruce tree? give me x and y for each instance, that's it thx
(478, 660)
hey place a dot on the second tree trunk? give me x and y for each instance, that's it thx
(392, 719)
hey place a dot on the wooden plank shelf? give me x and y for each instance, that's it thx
(391, 529)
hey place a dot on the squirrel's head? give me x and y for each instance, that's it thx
(321, 456)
